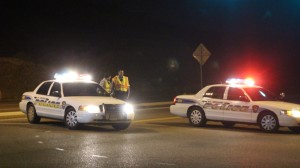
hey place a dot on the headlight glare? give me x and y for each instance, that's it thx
(128, 108)
(293, 113)
(89, 108)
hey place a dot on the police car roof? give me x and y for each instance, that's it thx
(71, 81)
(236, 85)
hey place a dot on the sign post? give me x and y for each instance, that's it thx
(201, 54)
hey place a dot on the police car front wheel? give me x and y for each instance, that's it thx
(197, 117)
(71, 119)
(268, 122)
(120, 126)
(32, 117)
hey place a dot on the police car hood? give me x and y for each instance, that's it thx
(278, 104)
(93, 100)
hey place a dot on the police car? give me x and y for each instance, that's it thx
(237, 101)
(75, 100)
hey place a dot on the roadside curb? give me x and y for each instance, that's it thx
(12, 114)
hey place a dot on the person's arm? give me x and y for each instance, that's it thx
(128, 92)
(112, 91)
(102, 83)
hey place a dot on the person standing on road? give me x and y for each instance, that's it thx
(121, 86)
(105, 83)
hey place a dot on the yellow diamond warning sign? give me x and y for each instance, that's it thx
(201, 54)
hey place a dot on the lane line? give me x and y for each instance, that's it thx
(60, 149)
(99, 156)
(167, 164)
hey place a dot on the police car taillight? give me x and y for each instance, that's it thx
(174, 101)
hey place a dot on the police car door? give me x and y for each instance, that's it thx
(41, 98)
(213, 101)
(54, 101)
(237, 106)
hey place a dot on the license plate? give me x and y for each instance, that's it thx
(115, 116)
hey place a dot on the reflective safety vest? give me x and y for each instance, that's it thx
(107, 86)
(121, 85)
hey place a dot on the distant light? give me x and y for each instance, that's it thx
(173, 64)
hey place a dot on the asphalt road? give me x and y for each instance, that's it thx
(155, 139)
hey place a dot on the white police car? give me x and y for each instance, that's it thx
(237, 103)
(75, 101)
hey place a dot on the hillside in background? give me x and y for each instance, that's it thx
(18, 76)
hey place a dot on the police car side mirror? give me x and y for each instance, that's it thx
(56, 94)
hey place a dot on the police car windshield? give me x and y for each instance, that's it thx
(81, 89)
(260, 94)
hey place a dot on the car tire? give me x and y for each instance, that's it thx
(70, 119)
(295, 129)
(268, 122)
(32, 117)
(228, 124)
(120, 126)
(197, 117)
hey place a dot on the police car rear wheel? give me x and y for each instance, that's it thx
(71, 119)
(120, 126)
(268, 122)
(197, 117)
(31, 115)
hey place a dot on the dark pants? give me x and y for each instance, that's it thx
(121, 95)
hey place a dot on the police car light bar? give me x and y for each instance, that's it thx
(235, 81)
(72, 76)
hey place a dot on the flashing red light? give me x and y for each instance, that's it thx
(249, 81)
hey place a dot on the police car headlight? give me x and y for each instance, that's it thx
(128, 108)
(293, 113)
(89, 108)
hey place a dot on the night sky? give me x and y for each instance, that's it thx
(153, 41)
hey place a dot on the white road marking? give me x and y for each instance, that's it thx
(98, 156)
(37, 136)
(60, 149)
(167, 164)
(40, 142)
